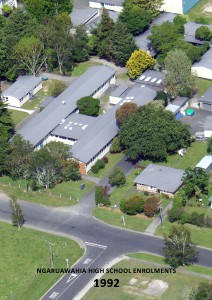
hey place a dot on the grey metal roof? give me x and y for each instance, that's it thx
(105, 128)
(113, 2)
(47, 101)
(163, 178)
(207, 96)
(65, 104)
(151, 77)
(206, 60)
(82, 16)
(208, 123)
(22, 86)
(173, 108)
(142, 41)
(180, 101)
(74, 126)
(191, 27)
(205, 162)
(119, 91)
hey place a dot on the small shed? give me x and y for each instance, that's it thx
(205, 163)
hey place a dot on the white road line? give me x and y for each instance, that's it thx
(53, 295)
(71, 277)
(95, 245)
(87, 261)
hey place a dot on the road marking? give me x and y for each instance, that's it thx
(95, 245)
(71, 277)
(87, 261)
(53, 295)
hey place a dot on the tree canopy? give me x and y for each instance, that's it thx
(152, 134)
(203, 33)
(195, 180)
(88, 106)
(202, 292)
(150, 6)
(125, 111)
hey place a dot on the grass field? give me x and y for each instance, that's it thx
(200, 236)
(113, 159)
(160, 260)
(22, 252)
(198, 11)
(82, 67)
(17, 116)
(179, 284)
(60, 194)
(203, 85)
(123, 76)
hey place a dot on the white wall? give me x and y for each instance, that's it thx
(103, 88)
(173, 6)
(95, 4)
(105, 5)
(53, 138)
(102, 154)
(208, 133)
(202, 72)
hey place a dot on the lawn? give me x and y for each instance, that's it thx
(113, 217)
(55, 197)
(194, 154)
(113, 159)
(197, 11)
(22, 252)
(203, 85)
(82, 67)
(17, 116)
(123, 76)
(179, 284)
(160, 260)
(200, 236)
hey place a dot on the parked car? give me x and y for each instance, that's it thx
(43, 77)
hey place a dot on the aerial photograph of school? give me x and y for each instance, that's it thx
(106, 149)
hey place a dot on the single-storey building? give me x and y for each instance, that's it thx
(159, 179)
(203, 68)
(11, 3)
(178, 6)
(178, 105)
(83, 16)
(152, 78)
(190, 30)
(22, 90)
(205, 163)
(208, 127)
(115, 5)
(205, 101)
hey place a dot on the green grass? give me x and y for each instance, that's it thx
(17, 116)
(123, 76)
(22, 252)
(113, 217)
(200, 236)
(60, 194)
(194, 154)
(160, 260)
(82, 67)
(179, 284)
(113, 159)
(203, 85)
(197, 11)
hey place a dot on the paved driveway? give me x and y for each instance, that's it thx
(197, 121)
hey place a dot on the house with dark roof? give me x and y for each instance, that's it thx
(159, 179)
(178, 105)
(205, 101)
(115, 5)
(22, 90)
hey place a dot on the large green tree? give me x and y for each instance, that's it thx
(17, 214)
(124, 111)
(151, 6)
(88, 106)
(195, 180)
(80, 45)
(117, 177)
(153, 133)
(179, 81)
(179, 249)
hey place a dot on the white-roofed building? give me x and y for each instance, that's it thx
(178, 6)
(205, 163)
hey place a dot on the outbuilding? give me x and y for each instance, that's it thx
(205, 163)
(205, 101)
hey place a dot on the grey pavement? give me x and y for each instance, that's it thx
(29, 111)
(91, 178)
(67, 79)
(118, 69)
(156, 222)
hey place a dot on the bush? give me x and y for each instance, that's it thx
(201, 20)
(208, 221)
(175, 214)
(162, 96)
(95, 169)
(117, 177)
(100, 164)
(115, 146)
(105, 159)
(203, 33)
(151, 206)
(75, 175)
(197, 219)
(56, 88)
(101, 195)
(146, 193)
(133, 205)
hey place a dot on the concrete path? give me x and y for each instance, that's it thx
(154, 225)
(119, 70)
(67, 79)
(91, 178)
(21, 109)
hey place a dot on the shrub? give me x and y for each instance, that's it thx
(203, 33)
(101, 197)
(117, 177)
(56, 88)
(133, 205)
(115, 146)
(201, 20)
(75, 175)
(105, 159)
(174, 214)
(151, 206)
(185, 218)
(95, 169)
(146, 193)
(162, 96)
(197, 219)
(208, 221)
(100, 164)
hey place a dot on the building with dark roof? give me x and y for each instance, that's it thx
(83, 16)
(22, 90)
(208, 127)
(159, 179)
(203, 68)
(205, 100)
(151, 78)
(190, 30)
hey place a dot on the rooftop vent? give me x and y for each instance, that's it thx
(63, 102)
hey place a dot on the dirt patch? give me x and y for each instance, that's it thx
(156, 288)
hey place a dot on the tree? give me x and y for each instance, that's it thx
(6, 129)
(179, 22)
(195, 179)
(135, 19)
(161, 95)
(139, 61)
(17, 214)
(202, 292)
(133, 205)
(193, 52)
(151, 206)
(203, 33)
(124, 111)
(56, 88)
(59, 151)
(178, 80)
(80, 45)
(101, 195)
(29, 54)
(88, 106)
(70, 170)
(179, 249)
(116, 145)
(152, 133)
(175, 214)
(123, 44)
(150, 6)
(209, 145)
(117, 177)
